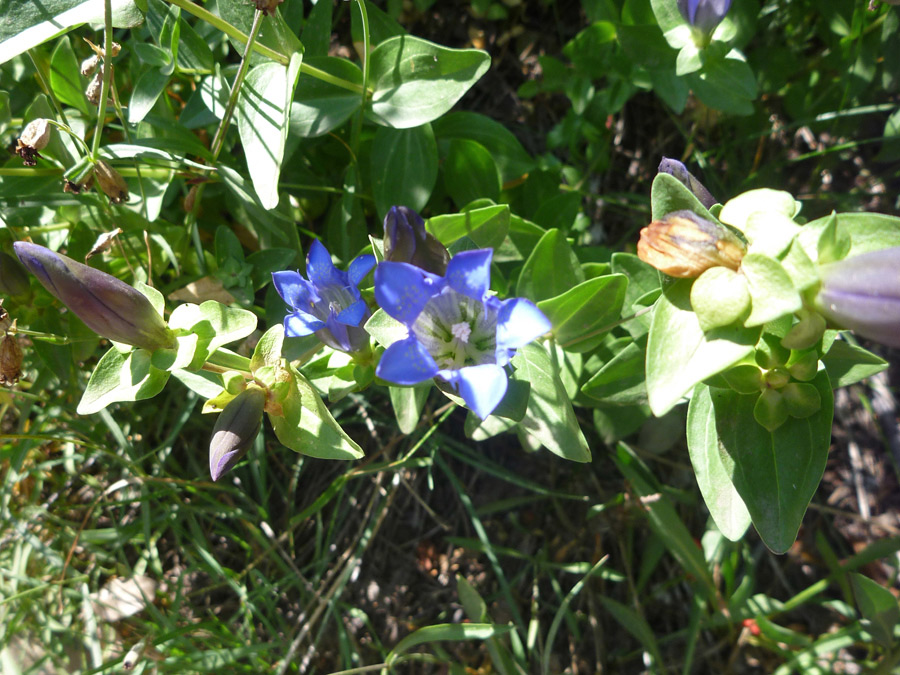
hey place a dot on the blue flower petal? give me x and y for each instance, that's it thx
(481, 387)
(359, 268)
(319, 268)
(294, 289)
(353, 314)
(519, 322)
(402, 290)
(299, 324)
(469, 272)
(336, 335)
(406, 362)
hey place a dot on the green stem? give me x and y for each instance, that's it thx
(45, 85)
(107, 75)
(236, 34)
(357, 126)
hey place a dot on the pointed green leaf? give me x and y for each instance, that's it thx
(551, 269)
(581, 313)
(121, 377)
(486, 226)
(321, 106)
(722, 499)
(404, 167)
(264, 109)
(878, 606)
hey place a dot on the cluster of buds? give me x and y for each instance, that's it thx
(109, 307)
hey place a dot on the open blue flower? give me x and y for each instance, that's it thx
(328, 304)
(458, 331)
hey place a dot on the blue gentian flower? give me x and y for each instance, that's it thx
(328, 304)
(458, 331)
(704, 15)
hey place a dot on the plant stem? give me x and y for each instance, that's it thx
(107, 76)
(236, 34)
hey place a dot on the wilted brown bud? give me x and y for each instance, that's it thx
(74, 188)
(95, 87)
(89, 65)
(111, 182)
(5, 321)
(685, 245)
(103, 243)
(35, 137)
(268, 6)
(10, 357)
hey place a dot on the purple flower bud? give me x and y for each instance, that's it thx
(862, 293)
(704, 15)
(235, 430)
(677, 169)
(108, 306)
(406, 240)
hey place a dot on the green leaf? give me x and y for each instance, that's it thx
(264, 110)
(408, 403)
(668, 194)
(201, 382)
(26, 25)
(867, 232)
(847, 363)
(321, 106)
(316, 35)
(725, 84)
(121, 377)
(404, 167)
(551, 269)
(486, 226)
(416, 81)
(680, 355)
(720, 297)
(550, 419)
(637, 625)
(878, 607)
(275, 33)
(470, 172)
(775, 473)
(621, 380)
(385, 329)
(270, 260)
(65, 79)
(737, 212)
(511, 158)
(722, 499)
(663, 518)
(447, 631)
(771, 291)
(306, 425)
(579, 314)
(267, 352)
(216, 324)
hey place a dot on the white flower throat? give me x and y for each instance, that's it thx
(457, 331)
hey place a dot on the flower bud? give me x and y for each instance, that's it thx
(677, 169)
(407, 240)
(685, 245)
(34, 138)
(13, 277)
(108, 306)
(704, 15)
(862, 293)
(111, 182)
(235, 430)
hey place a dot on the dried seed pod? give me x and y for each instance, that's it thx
(103, 243)
(111, 182)
(34, 138)
(94, 88)
(268, 6)
(10, 357)
(89, 65)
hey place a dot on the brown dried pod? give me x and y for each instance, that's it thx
(685, 245)
(10, 358)
(268, 6)
(111, 182)
(103, 243)
(94, 88)
(89, 65)
(34, 137)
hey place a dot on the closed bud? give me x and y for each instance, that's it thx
(34, 138)
(108, 306)
(235, 430)
(111, 182)
(406, 240)
(677, 169)
(862, 293)
(685, 245)
(13, 277)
